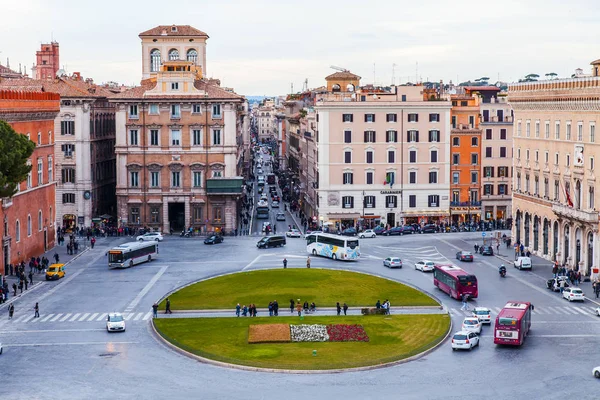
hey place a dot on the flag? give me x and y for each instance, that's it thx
(569, 201)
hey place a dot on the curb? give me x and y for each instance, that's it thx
(417, 308)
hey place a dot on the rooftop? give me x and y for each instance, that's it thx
(173, 30)
(66, 87)
(213, 92)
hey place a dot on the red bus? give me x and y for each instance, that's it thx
(513, 323)
(455, 281)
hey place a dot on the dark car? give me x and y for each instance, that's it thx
(464, 256)
(378, 230)
(486, 251)
(429, 228)
(213, 239)
(407, 230)
(273, 189)
(397, 230)
(553, 284)
(349, 232)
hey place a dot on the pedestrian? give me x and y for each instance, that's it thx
(21, 286)
(562, 285)
(168, 307)
(338, 308)
(37, 311)
(56, 258)
(465, 306)
(155, 310)
(285, 263)
(388, 307)
(378, 304)
(25, 281)
(299, 308)
(578, 278)
(244, 311)
(237, 310)
(11, 311)
(498, 246)
(93, 242)
(270, 309)
(597, 289)
(30, 278)
(345, 308)
(14, 286)
(11, 269)
(275, 308)
(292, 304)
(308, 262)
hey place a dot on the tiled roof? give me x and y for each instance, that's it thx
(64, 87)
(182, 30)
(213, 91)
(596, 62)
(342, 75)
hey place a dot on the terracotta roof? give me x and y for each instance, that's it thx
(596, 62)
(342, 75)
(64, 87)
(213, 91)
(182, 30)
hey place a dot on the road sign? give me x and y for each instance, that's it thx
(483, 234)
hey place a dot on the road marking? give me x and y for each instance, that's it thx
(19, 319)
(126, 316)
(254, 261)
(75, 317)
(63, 319)
(91, 318)
(84, 316)
(581, 311)
(138, 316)
(542, 311)
(559, 310)
(56, 317)
(59, 330)
(146, 289)
(65, 344)
(28, 318)
(46, 318)
(148, 315)
(102, 317)
(497, 309)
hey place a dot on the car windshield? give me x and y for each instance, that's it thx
(116, 318)
(576, 291)
(460, 337)
(52, 269)
(482, 312)
(471, 322)
(507, 321)
(395, 259)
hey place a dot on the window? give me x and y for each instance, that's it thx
(527, 128)
(18, 231)
(216, 134)
(347, 201)
(568, 160)
(197, 137)
(369, 157)
(580, 131)
(154, 137)
(391, 156)
(474, 158)
(433, 156)
(134, 177)
(192, 55)
(173, 55)
(433, 200)
(40, 171)
(196, 109)
(369, 178)
(68, 175)
(527, 154)
(174, 85)
(455, 178)
(592, 132)
(217, 174)
(502, 172)
(68, 127)
(454, 121)
(568, 132)
(455, 158)
(432, 176)
(537, 156)
(547, 130)
(134, 215)
(556, 191)
(527, 183)
(391, 118)
(369, 136)
(403, 98)
(502, 152)
(434, 117)
(591, 163)
(50, 171)
(154, 214)
(369, 201)
(488, 134)
(391, 201)
(154, 60)
(474, 196)
(392, 137)
(413, 117)
(68, 198)
(347, 118)
(175, 137)
(133, 137)
(556, 158)
(28, 225)
(412, 201)
(40, 221)
(412, 177)
(474, 176)
(488, 152)
(591, 203)
(537, 129)
(153, 110)
(348, 157)
(474, 141)
(348, 178)
(347, 136)
(488, 190)
(133, 111)
(519, 128)
(546, 156)
(216, 111)
(434, 136)
(175, 111)
(412, 156)
(471, 121)
(198, 218)
(154, 179)
(412, 136)
(455, 141)
(488, 172)
(369, 117)
(455, 196)
(503, 134)
(197, 178)
(557, 130)
(175, 179)
(536, 186)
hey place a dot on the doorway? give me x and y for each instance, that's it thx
(45, 240)
(391, 219)
(177, 216)
(6, 257)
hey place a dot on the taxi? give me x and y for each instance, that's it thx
(55, 272)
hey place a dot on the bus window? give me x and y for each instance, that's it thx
(352, 243)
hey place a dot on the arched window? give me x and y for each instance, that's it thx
(192, 55)
(173, 55)
(336, 88)
(154, 60)
(18, 231)
(40, 220)
(29, 225)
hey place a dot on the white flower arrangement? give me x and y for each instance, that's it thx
(309, 333)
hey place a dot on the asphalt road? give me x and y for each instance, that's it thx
(67, 353)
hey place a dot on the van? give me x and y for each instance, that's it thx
(271, 241)
(55, 271)
(523, 263)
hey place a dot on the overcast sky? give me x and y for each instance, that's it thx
(262, 47)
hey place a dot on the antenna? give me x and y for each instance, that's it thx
(393, 74)
(338, 68)
(305, 86)
(292, 88)
(373, 74)
(417, 73)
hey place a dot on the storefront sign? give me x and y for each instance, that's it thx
(80, 220)
(391, 191)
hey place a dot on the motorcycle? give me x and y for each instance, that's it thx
(502, 272)
(185, 234)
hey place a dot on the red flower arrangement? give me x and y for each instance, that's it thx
(347, 333)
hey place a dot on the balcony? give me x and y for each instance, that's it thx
(465, 204)
(224, 186)
(564, 211)
(495, 120)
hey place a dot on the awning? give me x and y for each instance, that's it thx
(426, 214)
(371, 217)
(343, 216)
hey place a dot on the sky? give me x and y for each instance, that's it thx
(264, 47)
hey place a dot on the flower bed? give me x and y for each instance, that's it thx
(269, 333)
(309, 333)
(282, 333)
(347, 333)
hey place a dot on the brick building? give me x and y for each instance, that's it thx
(47, 61)
(27, 218)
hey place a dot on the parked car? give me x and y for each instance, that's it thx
(392, 262)
(55, 272)
(523, 263)
(378, 230)
(554, 283)
(367, 234)
(483, 314)
(407, 230)
(472, 324)
(349, 232)
(280, 216)
(271, 241)
(115, 323)
(573, 294)
(486, 251)
(464, 340)
(213, 239)
(157, 236)
(397, 230)
(293, 233)
(425, 266)
(275, 204)
(429, 228)
(464, 256)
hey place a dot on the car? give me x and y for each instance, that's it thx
(367, 234)
(146, 237)
(271, 241)
(523, 263)
(260, 189)
(425, 266)
(595, 371)
(554, 283)
(55, 272)
(378, 230)
(464, 256)
(429, 228)
(407, 230)
(472, 324)
(397, 230)
(349, 232)
(486, 251)
(392, 262)
(573, 294)
(213, 239)
(264, 197)
(280, 216)
(115, 322)
(259, 171)
(483, 314)
(275, 204)
(293, 233)
(464, 340)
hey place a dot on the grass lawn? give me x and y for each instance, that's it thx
(226, 339)
(323, 286)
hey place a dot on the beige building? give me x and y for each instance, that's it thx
(555, 150)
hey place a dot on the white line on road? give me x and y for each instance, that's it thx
(47, 317)
(148, 315)
(19, 319)
(57, 330)
(102, 317)
(56, 317)
(541, 311)
(65, 344)
(63, 319)
(146, 289)
(93, 316)
(581, 311)
(75, 317)
(84, 316)
(254, 261)
(137, 318)
(28, 318)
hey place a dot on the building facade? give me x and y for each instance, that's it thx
(554, 201)
(27, 217)
(47, 61)
(383, 154)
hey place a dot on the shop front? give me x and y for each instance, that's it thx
(369, 221)
(340, 221)
(465, 214)
(69, 222)
(426, 217)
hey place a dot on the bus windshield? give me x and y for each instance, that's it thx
(507, 321)
(352, 243)
(467, 280)
(115, 257)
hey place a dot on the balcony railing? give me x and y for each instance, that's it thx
(465, 203)
(562, 210)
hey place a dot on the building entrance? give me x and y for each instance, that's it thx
(177, 216)
(391, 219)
(6, 258)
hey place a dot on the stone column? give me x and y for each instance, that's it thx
(165, 215)
(188, 221)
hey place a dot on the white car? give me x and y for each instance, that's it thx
(483, 314)
(150, 236)
(425, 266)
(595, 372)
(295, 233)
(392, 262)
(115, 323)
(464, 340)
(573, 294)
(523, 263)
(275, 204)
(280, 216)
(471, 324)
(369, 233)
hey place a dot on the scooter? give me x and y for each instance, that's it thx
(185, 234)
(502, 272)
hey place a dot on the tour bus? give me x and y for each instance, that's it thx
(128, 254)
(513, 323)
(262, 210)
(333, 246)
(455, 281)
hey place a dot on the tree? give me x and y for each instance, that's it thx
(531, 77)
(551, 75)
(15, 150)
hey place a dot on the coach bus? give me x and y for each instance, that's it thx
(262, 210)
(333, 246)
(455, 281)
(513, 323)
(128, 254)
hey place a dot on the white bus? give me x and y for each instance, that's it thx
(128, 254)
(332, 246)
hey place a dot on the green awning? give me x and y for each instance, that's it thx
(225, 186)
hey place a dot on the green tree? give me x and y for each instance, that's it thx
(15, 150)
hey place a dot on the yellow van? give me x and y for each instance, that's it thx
(55, 271)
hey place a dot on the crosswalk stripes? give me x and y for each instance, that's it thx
(63, 319)
(147, 316)
(84, 316)
(57, 316)
(74, 317)
(46, 318)
(102, 317)
(546, 310)
(581, 311)
(137, 317)
(30, 316)
(94, 315)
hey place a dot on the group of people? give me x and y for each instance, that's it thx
(250, 310)
(573, 276)
(385, 306)
(340, 308)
